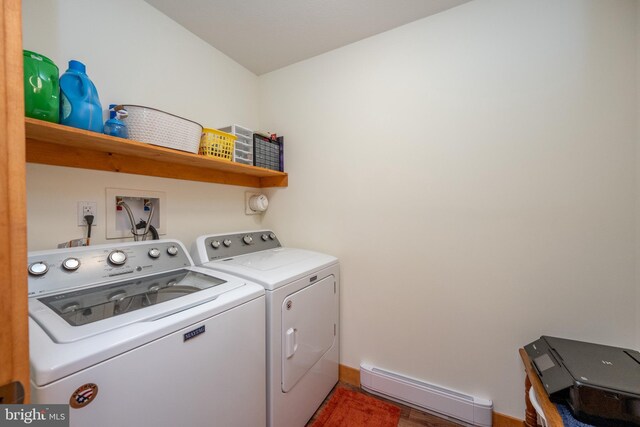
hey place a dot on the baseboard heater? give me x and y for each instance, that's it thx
(428, 397)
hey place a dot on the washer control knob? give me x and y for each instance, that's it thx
(215, 244)
(71, 264)
(265, 237)
(172, 250)
(154, 253)
(247, 239)
(272, 236)
(38, 268)
(226, 242)
(117, 257)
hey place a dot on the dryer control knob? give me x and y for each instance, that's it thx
(38, 268)
(117, 257)
(71, 264)
(272, 236)
(265, 237)
(226, 242)
(215, 244)
(247, 239)
(154, 253)
(172, 250)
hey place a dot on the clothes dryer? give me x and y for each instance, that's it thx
(302, 316)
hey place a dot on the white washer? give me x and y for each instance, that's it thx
(302, 316)
(133, 334)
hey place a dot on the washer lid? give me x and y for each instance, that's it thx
(78, 314)
(274, 267)
(90, 305)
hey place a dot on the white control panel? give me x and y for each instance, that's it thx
(58, 269)
(229, 245)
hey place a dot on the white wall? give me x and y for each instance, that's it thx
(136, 55)
(475, 172)
(638, 175)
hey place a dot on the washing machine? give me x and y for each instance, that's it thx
(133, 334)
(302, 316)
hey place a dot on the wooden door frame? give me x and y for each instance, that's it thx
(14, 332)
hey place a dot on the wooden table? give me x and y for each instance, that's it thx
(549, 409)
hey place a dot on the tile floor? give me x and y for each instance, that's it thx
(409, 417)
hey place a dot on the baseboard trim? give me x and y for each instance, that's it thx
(351, 376)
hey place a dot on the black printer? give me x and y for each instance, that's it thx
(599, 383)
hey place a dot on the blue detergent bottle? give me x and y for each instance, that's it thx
(115, 126)
(79, 102)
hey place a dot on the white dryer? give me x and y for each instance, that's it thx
(302, 313)
(132, 334)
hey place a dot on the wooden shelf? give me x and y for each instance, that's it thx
(54, 144)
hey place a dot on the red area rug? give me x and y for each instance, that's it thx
(348, 408)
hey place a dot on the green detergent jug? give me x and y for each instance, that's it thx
(41, 87)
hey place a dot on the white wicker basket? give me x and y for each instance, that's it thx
(159, 128)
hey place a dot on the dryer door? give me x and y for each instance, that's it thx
(308, 329)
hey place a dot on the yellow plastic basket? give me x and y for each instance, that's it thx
(215, 143)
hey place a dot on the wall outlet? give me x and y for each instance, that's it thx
(87, 208)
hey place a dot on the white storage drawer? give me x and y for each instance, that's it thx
(243, 149)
